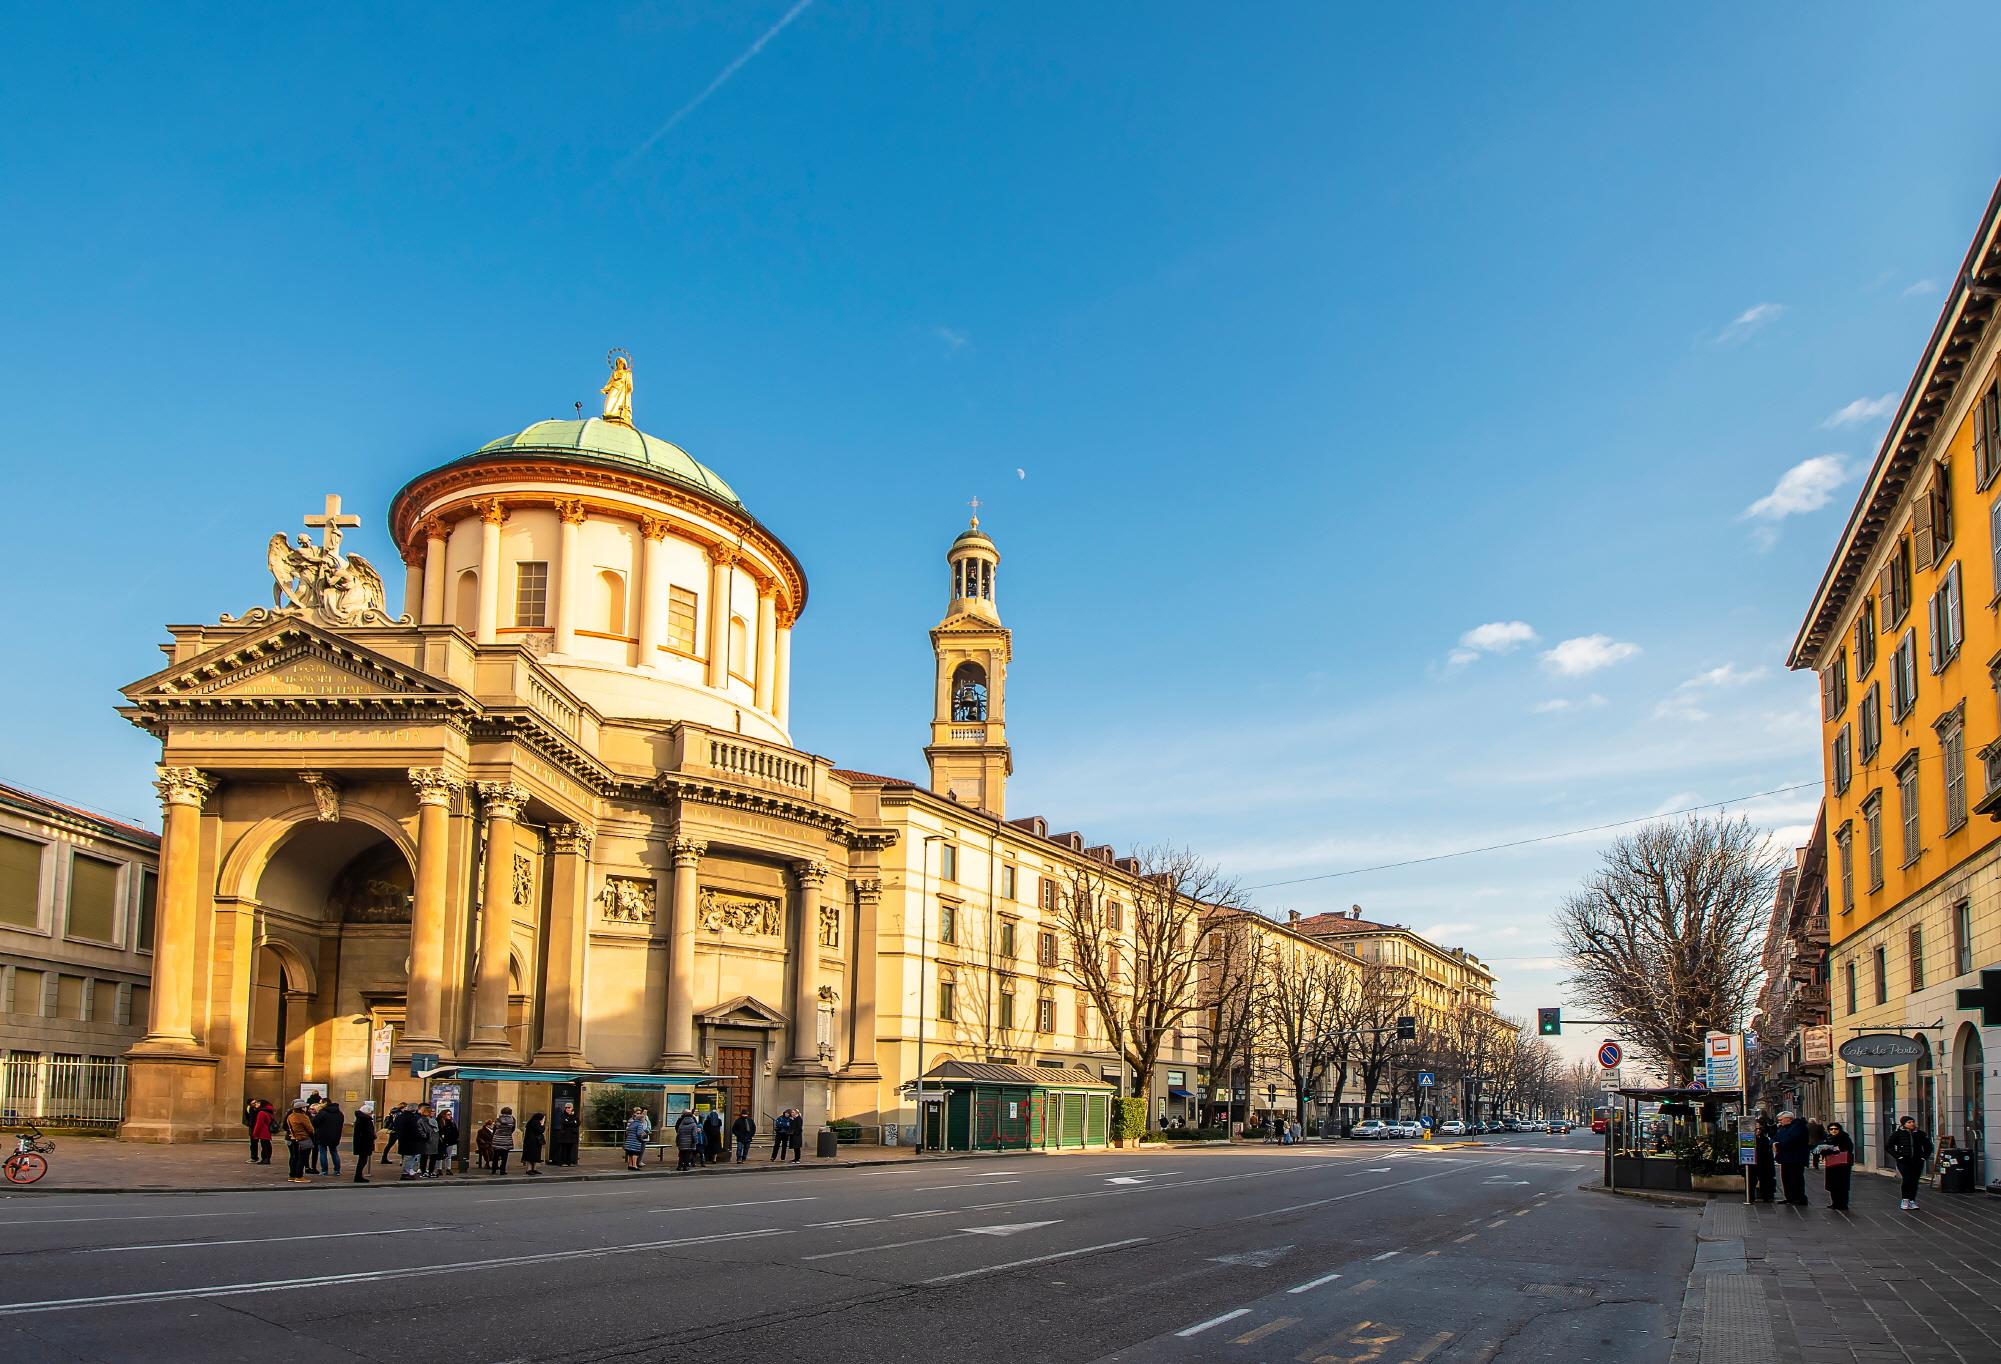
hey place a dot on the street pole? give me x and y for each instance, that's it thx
(923, 953)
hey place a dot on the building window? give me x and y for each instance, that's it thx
(1844, 764)
(1907, 802)
(1894, 585)
(1008, 875)
(948, 922)
(681, 619)
(531, 594)
(1878, 959)
(1872, 827)
(1931, 519)
(1948, 621)
(20, 882)
(1045, 1014)
(1987, 436)
(1994, 538)
(1007, 939)
(1904, 676)
(1048, 893)
(1952, 762)
(948, 861)
(947, 999)
(1917, 960)
(1045, 948)
(1834, 687)
(1851, 987)
(1962, 938)
(1869, 720)
(93, 899)
(149, 904)
(1865, 640)
(1115, 916)
(1007, 1008)
(1844, 847)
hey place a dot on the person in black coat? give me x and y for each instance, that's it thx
(390, 1126)
(712, 1138)
(364, 1139)
(411, 1138)
(329, 1126)
(1837, 1162)
(1910, 1148)
(1790, 1148)
(744, 1129)
(564, 1130)
(1764, 1173)
(533, 1137)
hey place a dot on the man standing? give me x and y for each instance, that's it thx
(781, 1134)
(1910, 1147)
(1764, 1175)
(744, 1131)
(410, 1137)
(563, 1133)
(329, 1125)
(1790, 1148)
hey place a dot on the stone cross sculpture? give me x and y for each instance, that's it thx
(320, 583)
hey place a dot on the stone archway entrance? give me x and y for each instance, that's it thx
(1970, 1115)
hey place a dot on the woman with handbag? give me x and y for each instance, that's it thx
(1837, 1161)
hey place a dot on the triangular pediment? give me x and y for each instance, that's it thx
(745, 1011)
(287, 660)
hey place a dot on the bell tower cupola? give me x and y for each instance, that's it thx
(968, 752)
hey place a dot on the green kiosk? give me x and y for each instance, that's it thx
(989, 1106)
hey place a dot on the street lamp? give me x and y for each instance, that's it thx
(923, 952)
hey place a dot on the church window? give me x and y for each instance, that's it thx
(948, 923)
(739, 647)
(611, 600)
(149, 902)
(93, 899)
(465, 601)
(20, 881)
(681, 619)
(969, 694)
(531, 594)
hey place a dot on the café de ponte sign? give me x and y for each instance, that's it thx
(1882, 1050)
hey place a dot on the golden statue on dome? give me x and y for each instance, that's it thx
(618, 389)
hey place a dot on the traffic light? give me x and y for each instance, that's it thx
(1406, 1028)
(1549, 1022)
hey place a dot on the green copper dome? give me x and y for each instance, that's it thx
(601, 441)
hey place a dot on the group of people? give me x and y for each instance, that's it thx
(698, 1138)
(312, 1130)
(1790, 1145)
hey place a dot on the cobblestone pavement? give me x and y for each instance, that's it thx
(1874, 1285)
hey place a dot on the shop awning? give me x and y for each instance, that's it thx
(567, 1077)
(1176, 1092)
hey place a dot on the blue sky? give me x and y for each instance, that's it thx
(1285, 354)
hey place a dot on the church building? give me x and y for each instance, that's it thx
(547, 824)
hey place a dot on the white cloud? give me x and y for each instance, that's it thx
(1686, 701)
(1750, 320)
(1495, 637)
(1923, 288)
(1863, 410)
(954, 339)
(1556, 705)
(1806, 487)
(1446, 932)
(1587, 654)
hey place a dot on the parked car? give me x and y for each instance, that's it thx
(1370, 1129)
(1410, 1127)
(1454, 1128)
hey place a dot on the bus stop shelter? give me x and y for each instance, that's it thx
(474, 1093)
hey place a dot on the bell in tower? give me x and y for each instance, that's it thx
(968, 753)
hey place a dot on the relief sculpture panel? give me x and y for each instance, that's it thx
(627, 900)
(729, 911)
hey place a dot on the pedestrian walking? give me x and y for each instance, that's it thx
(687, 1140)
(445, 1158)
(299, 1140)
(410, 1137)
(389, 1132)
(564, 1131)
(1764, 1174)
(364, 1139)
(1837, 1163)
(250, 1108)
(1790, 1149)
(533, 1137)
(712, 1137)
(503, 1139)
(744, 1132)
(261, 1124)
(482, 1145)
(1910, 1147)
(637, 1129)
(329, 1126)
(1816, 1135)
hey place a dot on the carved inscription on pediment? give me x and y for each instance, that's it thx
(302, 676)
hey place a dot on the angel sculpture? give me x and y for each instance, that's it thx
(320, 582)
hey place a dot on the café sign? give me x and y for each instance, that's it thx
(1881, 1050)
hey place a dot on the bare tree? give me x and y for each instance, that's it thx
(1383, 995)
(1136, 946)
(1233, 981)
(1298, 1015)
(1665, 936)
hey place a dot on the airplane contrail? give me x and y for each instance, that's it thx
(799, 8)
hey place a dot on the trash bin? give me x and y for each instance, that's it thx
(830, 1144)
(1955, 1171)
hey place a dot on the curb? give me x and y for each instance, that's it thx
(1673, 1200)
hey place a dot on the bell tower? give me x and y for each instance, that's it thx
(968, 752)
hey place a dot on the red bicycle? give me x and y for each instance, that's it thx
(30, 1160)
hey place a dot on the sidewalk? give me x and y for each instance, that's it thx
(1873, 1286)
(102, 1165)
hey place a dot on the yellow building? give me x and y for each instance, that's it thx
(1904, 633)
(549, 819)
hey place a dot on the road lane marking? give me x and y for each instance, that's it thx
(230, 1290)
(1036, 1260)
(850, 1222)
(1213, 1321)
(1428, 1347)
(1524, 1212)
(259, 1240)
(1499, 1222)
(1359, 1193)
(751, 1203)
(928, 1212)
(887, 1245)
(1364, 1284)
(135, 1217)
(984, 1184)
(1312, 1284)
(1387, 1255)
(1258, 1333)
(1462, 1240)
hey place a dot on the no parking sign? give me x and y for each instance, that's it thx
(1610, 1054)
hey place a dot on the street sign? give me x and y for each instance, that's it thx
(1882, 1050)
(381, 1043)
(423, 1061)
(1723, 1060)
(1610, 1054)
(1425, 1079)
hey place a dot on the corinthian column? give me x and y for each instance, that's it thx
(501, 802)
(566, 588)
(677, 1034)
(806, 965)
(183, 790)
(491, 515)
(423, 1015)
(722, 573)
(767, 643)
(563, 986)
(861, 1013)
(652, 594)
(432, 610)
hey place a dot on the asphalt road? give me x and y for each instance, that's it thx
(1338, 1252)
